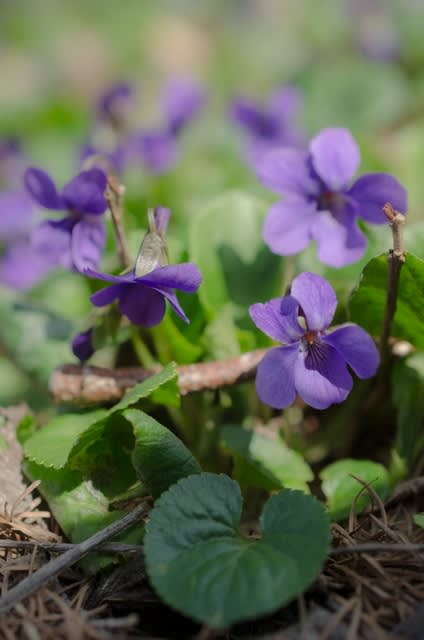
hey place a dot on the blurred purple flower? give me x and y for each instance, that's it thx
(12, 163)
(313, 360)
(158, 149)
(182, 101)
(77, 240)
(22, 266)
(82, 345)
(269, 126)
(374, 29)
(16, 215)
(142, 299)
(319, 203)
(117, 145)
(116, 104)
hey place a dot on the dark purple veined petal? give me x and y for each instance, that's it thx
(275, 384)
(278, 319)
(287, 227)
(335, 157)
(372, 191)
(85, 192)
(42, 188)
(107, 295)
(286, 171)
(88, 241)
(82, 345)
(321, 378)
(158, 150)
(185, 277)
(357, 348)
(317, 299)
(339, 239)
(53, 240)
(16, 215)
(141, 305)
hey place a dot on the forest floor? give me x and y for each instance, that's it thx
(370, 594)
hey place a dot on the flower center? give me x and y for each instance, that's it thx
(332, 201)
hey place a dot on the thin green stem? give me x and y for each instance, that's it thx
(144, 356)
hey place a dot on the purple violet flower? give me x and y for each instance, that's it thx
(158, 149)
(12, 163)
(22, 266)
(313, 360)
(319, 204)
(182, 101)
(82, 345)
(76, 241)
(269, 126)
(142, 298)
(115, 105)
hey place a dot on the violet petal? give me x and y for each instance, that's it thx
(338, 244)
(357, 348)
(42, 188)
(287, 227)
(142, 305)
(107, 295)
(275, 377)
(372, 191)
(88, 241)
(317, 299)
(286, 171)
(85, 192)
(335, 157)
(321, 378)
(185, 277)
(277, 318)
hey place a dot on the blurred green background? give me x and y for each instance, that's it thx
(358, 63)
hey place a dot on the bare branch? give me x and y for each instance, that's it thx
(48, 571)
(96, 385)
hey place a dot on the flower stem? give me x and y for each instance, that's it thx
(115, 195)
(144, 356)
(395, 258)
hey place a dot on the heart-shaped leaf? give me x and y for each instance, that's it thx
(200, 563)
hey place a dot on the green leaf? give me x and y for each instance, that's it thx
(201, 565)
(367, 302)
(225, 241)
(265, 462)
(79, 507)
(341, 489)
(419, 519)
(146, 388)
(103, 454)
(72, 435)
(51, 445)
(159, 457)
(220, 336)
(171, 344)
(38, 338)
(408, 397)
